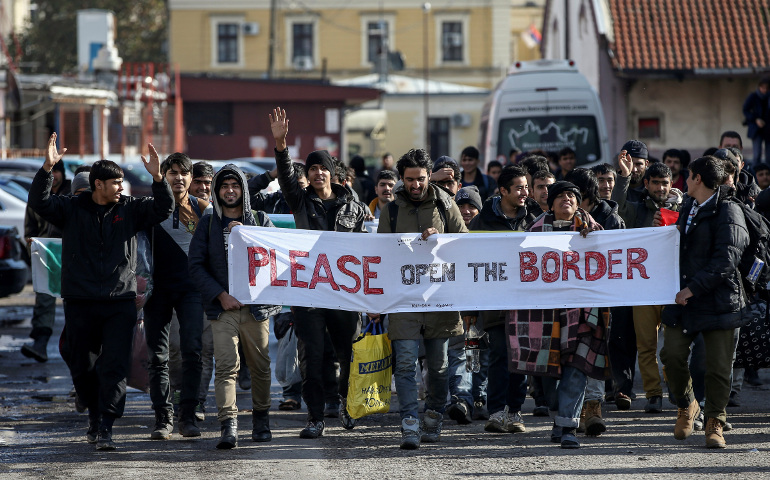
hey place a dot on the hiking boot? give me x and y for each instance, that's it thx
(332, 410)
(594, 424)
(460, 411)
(261, 426)
(735, 399)
(200, 412)
(92, 435)
(348, 422)
(164, 425)
(582, 424)
(568, 438)
(540, 411)
(187, 425)
(622, 401)
(498, 422)
(312, 429)
(410, 434)
(229, 434)
(654, 404)
(480, 411)
(38, 349)
(699, 421)
(714, 437)
(104, 440)
(432, 422)
(684, 420)
(244, 378)
(516, 423)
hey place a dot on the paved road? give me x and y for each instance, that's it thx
(42, 437)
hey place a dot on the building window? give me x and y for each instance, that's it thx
(227, 42)
(302, 41)
(452, 41)
(208, 118)
(649, 127)
(438, 130)
(377, 37)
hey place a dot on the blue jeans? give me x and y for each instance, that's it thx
(458, 377)
(565, 396)
(479, 380)
(503, 388)
(406, 352)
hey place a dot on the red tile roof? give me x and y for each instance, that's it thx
(690, 35)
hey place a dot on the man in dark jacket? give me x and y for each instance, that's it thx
(506, 392)
(713, 236)
(323, 205)
(98, 278)
(756, 114)
(273, 202)
(471, 175)
(45, 305)
(232, 323)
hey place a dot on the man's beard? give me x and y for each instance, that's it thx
(237, 203)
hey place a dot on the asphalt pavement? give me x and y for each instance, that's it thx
(43, 437)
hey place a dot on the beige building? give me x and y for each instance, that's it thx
(468, 43)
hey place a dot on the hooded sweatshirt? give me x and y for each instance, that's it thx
(208, 248)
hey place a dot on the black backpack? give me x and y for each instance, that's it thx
(757, 249)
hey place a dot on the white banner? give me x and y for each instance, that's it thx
(385, 273)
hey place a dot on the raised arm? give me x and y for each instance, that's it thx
(51, 208)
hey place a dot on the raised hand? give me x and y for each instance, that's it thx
(625, 163)
(52, 155)
(153, 164)
(279, 124)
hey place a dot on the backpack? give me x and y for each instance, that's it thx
(757, 249)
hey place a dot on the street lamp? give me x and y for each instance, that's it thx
(426, 94)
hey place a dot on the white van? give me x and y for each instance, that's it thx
(548, 105)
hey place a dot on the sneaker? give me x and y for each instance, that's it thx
(164, 425)
(348, 422)
(654, 404)
(568, 438)
(735, 399)
(432, 422)
(480, 411)
(698, 422)
(200, 412)
(460, 411)
(498, 422)
(714, 437)
(622, 401)
(104, 440)
(332, 410)
(684, 420)
(594, 423)
(516, 423)
(540, 411)
(312, 430)
(410, 434)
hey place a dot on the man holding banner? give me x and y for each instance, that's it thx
(323, 205)
(423, 208)
(98, 278)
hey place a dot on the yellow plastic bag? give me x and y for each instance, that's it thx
(370, 373)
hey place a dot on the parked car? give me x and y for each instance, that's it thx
(14, 271)
(14, 188)
(12, 210)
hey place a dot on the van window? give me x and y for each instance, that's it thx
(551, 133)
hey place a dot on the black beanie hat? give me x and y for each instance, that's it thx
(320, 157)
(636, 149)
(469, 195)
(59, 167)
(561, 186)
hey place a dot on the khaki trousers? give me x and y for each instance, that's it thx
(231, 328)
(646, 326)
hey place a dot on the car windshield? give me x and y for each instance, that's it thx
(551, 133)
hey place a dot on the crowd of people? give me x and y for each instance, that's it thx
(572, 361)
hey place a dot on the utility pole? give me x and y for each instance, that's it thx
(426, 93)
(271, 43)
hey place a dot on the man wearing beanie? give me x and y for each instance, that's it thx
(469, 202)
(637, 151)
(571, 359)
(511, 210)
(427, 209)
(323, 205)
(45, 305)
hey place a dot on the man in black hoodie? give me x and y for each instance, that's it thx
(323, 205)
(99, 259)
(232, 323)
